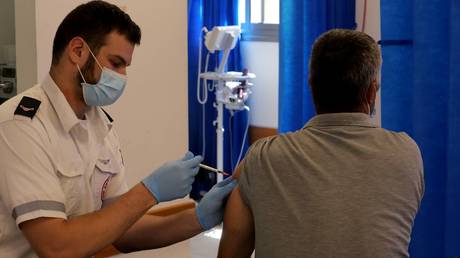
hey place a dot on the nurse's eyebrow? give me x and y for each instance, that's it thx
(120, 59)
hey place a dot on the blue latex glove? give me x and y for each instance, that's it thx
(210, 210)
(173, 179)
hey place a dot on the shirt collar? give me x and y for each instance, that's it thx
(341, 119)
(101, 122)
(62, 108)
(66, 114)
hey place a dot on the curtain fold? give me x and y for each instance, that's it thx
(420, 92)
(211, 13)
(301, 22)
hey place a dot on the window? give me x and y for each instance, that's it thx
(259, 19)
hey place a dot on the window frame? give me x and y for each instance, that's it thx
(267, 32)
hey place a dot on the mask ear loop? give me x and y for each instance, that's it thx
(81, 74)
(91, 52)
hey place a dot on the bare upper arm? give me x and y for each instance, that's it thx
(238, 233)
(43, 243)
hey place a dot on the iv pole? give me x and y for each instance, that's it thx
(224, 39)
(220, 118)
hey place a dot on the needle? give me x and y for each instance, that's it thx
(213, 169)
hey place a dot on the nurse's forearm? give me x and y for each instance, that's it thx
(155, 231)
(84, 235)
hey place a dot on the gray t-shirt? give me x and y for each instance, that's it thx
(339, 187)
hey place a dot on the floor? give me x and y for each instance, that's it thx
(204, 245)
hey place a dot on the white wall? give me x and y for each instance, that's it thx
(7, 22)
(151, 116)
(262, 59)
(372, 27)
(372, 17)
(7, 39)
(26, 47)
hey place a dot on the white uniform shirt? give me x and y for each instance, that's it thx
(53, 164)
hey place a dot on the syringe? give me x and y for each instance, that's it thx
(213, 169)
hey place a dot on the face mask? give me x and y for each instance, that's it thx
(107, 90)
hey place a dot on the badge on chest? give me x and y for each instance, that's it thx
(105, 169)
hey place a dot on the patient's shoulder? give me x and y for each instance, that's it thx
(266, 143)
(276, 145)
(259, 151)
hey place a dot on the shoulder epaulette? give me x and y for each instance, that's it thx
(27, 107)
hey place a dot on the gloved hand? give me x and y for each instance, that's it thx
(210, 210)
(173, 179)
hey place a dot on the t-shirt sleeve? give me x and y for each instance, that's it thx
(248, 172)
(29, 186)
(416, 162)
(244, 184)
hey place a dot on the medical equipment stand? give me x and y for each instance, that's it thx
(220, 118)
(223, 38)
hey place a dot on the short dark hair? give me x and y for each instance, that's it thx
(343, 65)
(93, 21)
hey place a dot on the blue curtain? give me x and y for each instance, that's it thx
(420, 95)
(211, 13)
(301, 22)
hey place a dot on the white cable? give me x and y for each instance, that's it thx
(230, 125)
(212, 86)
(203, 112)
(205, 93)
(206, 70)
(203, 128)
(198, 79)
(244, 138)
(364, 16)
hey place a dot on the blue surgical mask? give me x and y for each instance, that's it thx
(107, 90)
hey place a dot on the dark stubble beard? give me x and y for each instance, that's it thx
(88, 72)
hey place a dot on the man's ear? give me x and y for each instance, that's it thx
(372, 93)
(77, 51)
